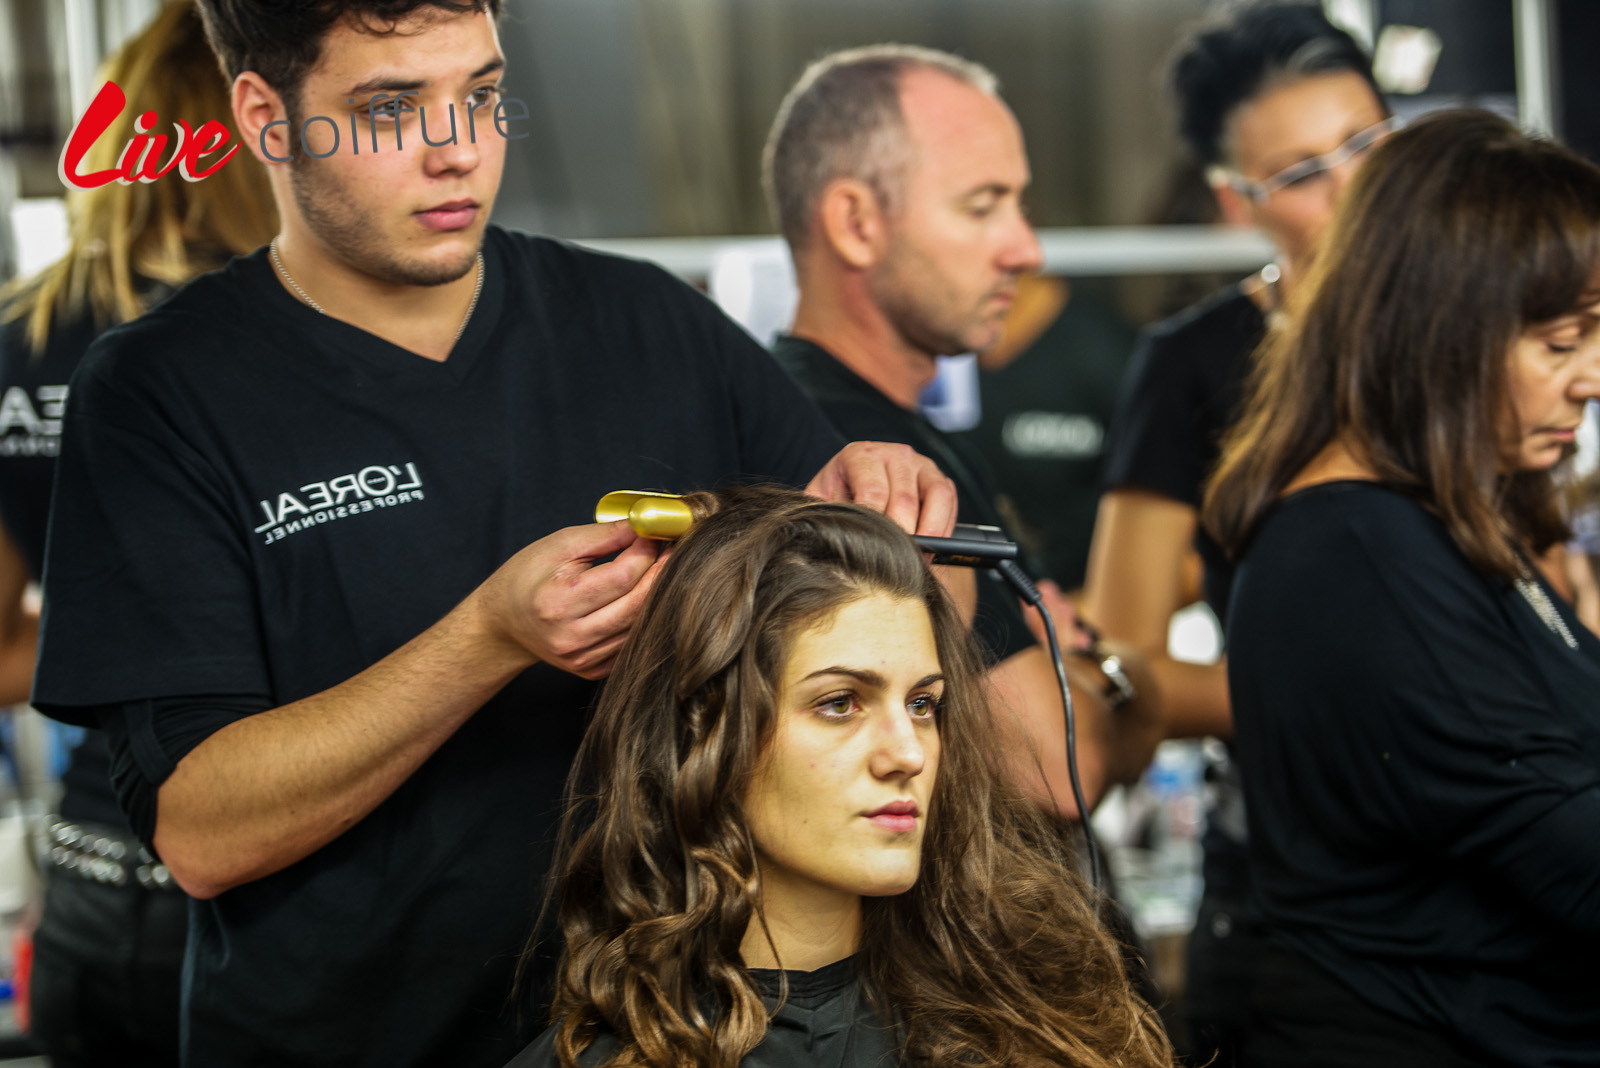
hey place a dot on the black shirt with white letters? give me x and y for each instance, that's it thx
(33, 396)
(260, 501)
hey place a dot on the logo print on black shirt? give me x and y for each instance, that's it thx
(26, 430)
(315, 503)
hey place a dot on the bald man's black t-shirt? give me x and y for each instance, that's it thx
(861, 413)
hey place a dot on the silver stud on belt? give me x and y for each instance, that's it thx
(104, 859)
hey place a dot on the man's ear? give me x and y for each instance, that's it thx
(1237, 209)
(852, 222)
(262, 119)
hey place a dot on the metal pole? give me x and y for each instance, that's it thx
(1533, 22)
(1083, 250)
(83, 52)
(11, 113)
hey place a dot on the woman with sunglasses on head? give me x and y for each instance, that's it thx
(1280, 106)
(1418, 713)
(792, 840)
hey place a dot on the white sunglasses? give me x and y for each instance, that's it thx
(1307, 170)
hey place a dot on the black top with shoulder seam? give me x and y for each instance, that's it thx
(1421, 757)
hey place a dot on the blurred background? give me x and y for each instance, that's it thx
(647, 119)
(648, 115)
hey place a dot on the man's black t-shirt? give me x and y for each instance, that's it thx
(1043, 431)
(1421, 756)
(862, 413)
(821, 1018)
(260, 501)
(33, 396)
(1184, 385)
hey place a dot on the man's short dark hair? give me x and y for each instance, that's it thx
(1247, 49)
(843, 119)
(281, 40)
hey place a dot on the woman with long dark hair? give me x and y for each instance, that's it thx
(792, 767)
(1417, 711)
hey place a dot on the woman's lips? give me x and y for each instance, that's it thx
(454, 216)
(896, 816)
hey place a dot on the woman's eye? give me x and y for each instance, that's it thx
(837, 706)
(924, 706)
(1564, 341)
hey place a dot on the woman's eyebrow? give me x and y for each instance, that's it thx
(1581, 320)
(863, 675)
(868, 677)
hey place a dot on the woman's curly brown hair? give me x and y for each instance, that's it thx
(995, 957)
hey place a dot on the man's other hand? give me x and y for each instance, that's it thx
(893, 479)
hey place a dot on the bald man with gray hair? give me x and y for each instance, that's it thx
(896, 174)
(842, 118)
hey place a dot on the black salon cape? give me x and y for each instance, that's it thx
(825, 1022)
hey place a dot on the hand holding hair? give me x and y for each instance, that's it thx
(893, 479)
(552, 601)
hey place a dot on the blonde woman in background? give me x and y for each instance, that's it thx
(109, 948)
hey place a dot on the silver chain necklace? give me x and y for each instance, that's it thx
(1534, 594)
(277, 261)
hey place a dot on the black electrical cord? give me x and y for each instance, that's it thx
(988, 548)
(1024, 587)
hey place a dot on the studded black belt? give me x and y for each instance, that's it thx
(101, 855)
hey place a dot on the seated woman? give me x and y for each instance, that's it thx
(791, 841)
(1418, 714)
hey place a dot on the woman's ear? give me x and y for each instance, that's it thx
(1237, 209)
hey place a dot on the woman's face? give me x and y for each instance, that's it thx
(1289, 124)
(1554, 371)
(840, 802)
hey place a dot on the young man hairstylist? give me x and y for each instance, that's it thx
(325, 570)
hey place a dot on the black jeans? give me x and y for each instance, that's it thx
(107, 967)
(1224, 951)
